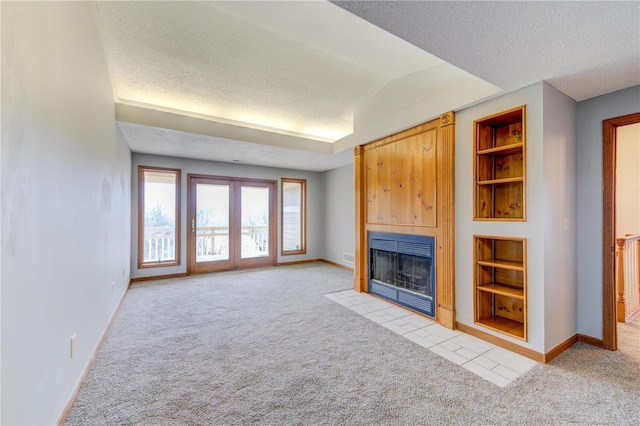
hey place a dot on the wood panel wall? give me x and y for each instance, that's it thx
(405, 184)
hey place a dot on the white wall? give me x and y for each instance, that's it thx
(532, 229)
(339, 214)
(560, 216)
(550, 199)
(315, 204)
(628, 180)
(590, 115)
(65, 203)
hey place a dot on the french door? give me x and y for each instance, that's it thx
(231, 223)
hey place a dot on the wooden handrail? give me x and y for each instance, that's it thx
(628, 292)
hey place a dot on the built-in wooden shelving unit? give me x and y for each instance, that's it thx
(500, 284)
(500, 166)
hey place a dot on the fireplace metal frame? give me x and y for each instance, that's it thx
(413, 245)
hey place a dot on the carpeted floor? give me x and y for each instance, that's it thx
(265, 346)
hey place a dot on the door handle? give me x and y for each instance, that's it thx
(193, 225)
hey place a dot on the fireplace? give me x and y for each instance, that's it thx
(402, 270)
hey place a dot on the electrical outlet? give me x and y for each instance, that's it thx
(124, 271)
(73, 345)
(334, 250)
(113, 284)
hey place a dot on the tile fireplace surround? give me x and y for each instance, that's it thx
(493, 363)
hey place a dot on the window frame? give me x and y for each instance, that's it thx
(178, 224)
(303, 214)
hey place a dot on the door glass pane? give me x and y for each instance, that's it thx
(254, 239)
(160, 209)
(212, 222)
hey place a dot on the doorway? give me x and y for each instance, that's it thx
(231, 223)
(609, 305)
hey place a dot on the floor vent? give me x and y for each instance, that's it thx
(348, 257)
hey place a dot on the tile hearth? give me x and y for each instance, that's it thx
(493, 363)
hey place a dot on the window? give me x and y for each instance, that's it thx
(294, 216)
(158, 217)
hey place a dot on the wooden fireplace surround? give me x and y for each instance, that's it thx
(404, 184)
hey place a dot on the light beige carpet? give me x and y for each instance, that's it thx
(266, 347)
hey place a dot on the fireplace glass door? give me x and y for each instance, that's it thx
(401, 270)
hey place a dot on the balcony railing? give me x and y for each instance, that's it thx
(628, 277)
(212, 242)
(159, 244)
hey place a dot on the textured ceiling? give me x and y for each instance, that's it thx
(159, 141)
(296, 67)
(583, 48)
(286, 74)
(270, 83)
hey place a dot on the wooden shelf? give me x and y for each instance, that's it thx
(502, 150)
(504, 264)
(504, 325)
(505, 290)
(500, 284)
(499, 166)
(501, 181)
